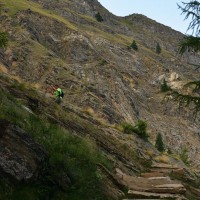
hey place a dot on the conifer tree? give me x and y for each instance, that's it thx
(164, 87)
(191, 43)
(159, 143)
(134, 45)
(99, 17)
(158, 48)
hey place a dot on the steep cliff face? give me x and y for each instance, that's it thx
(61, 42)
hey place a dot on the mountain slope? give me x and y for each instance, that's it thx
(105, 82)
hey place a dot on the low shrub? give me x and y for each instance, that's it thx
(164, 87)
(184, 155)
(139, 129)
(134, 45)
(127, 128)
(99, 17)
(3, 39)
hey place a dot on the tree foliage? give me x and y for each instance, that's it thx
(3, 39)
(159, 143)
(191, 9)
(140, 129)
(134, 45)
(164, 87)
(158, 48)
(191, 43)
(99, 17)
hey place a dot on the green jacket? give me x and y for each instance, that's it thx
(58, 92)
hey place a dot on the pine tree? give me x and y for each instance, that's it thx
(159, 143)
(158, 48)
(99, 17)
(134, 45)
(190, 44)
(164, 87)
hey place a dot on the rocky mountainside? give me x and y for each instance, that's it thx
(106, 83)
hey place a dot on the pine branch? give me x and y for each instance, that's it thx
(186, 100)
(190, 44)
(191, 9)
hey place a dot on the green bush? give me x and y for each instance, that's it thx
(164, 87)
(99, 17)
(127, 128)
(184, 155)
(3, 39)
(159, 143)
(139, 129)
(134, 45)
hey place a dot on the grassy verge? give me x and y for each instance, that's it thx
(68, 155)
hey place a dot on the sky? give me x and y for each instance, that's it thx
(163, 11)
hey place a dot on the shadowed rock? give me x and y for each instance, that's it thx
(21, 158)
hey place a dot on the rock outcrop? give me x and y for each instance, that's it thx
(21, 159)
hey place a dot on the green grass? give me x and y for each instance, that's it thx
(5, 189)
(10, 109)
(68, 154)
(18, 5)
(116, 38)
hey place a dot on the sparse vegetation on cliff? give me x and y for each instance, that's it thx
(99, 17)
(69, 156)
(3, 39)
(134, 45)
(139, 129)
(159, 143)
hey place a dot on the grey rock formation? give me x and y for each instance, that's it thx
(21, 158)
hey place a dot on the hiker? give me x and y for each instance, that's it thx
(59, 94)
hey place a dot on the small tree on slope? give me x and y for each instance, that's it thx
(159, 143)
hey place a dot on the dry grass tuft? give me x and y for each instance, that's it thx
(89, 111)
(162, 159)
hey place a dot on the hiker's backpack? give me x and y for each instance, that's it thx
(62, 94)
